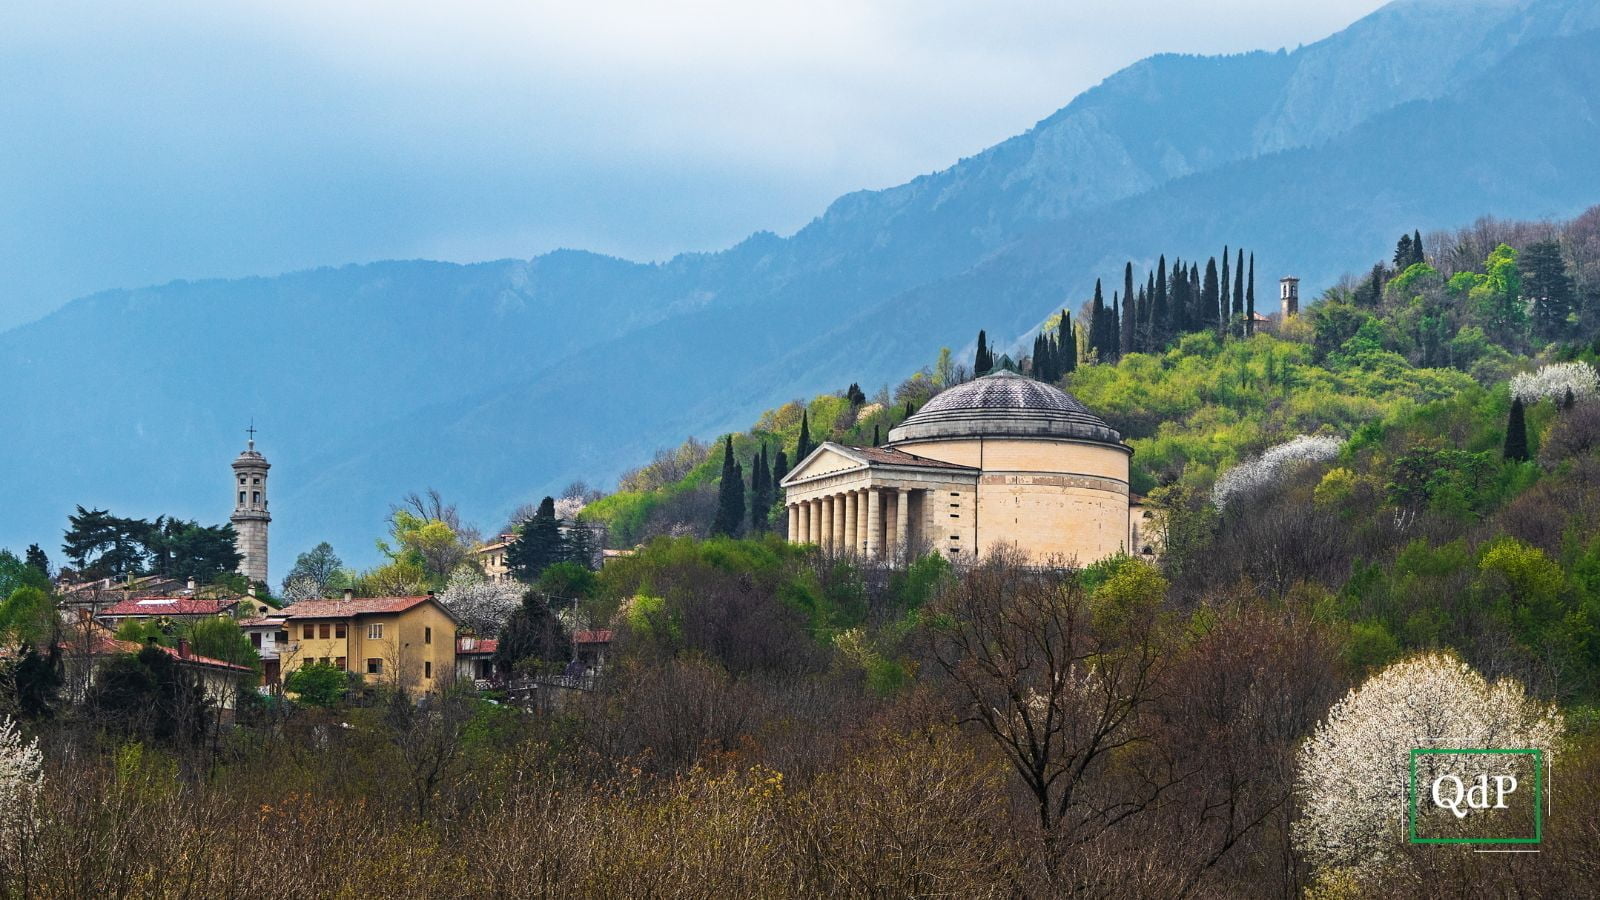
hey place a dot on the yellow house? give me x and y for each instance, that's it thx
(408, 642)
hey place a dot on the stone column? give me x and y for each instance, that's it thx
(874, 521)
(826, 538)
(814, 529)
(794, 523)
(902, 524)
(891, 499)
(852, 521)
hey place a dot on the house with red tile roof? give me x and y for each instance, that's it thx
(408, 642)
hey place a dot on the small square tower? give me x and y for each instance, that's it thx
(1289, 296)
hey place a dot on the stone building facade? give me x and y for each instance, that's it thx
(1002, 459)
(250, 516)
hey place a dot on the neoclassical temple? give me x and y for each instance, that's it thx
(1002, 459)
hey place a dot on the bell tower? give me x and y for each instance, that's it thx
(1289, 296)
(250, 517)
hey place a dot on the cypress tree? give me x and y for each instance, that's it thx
(1238, 293)
(1208, 296)
(1250, 299)
(1069, 345)
(730, 494)
(780, 468)
(877, 439)
(758, 518)
(805, 446)
(909, 410)
(1198, 317)
(1417, 256)
(1227, 287)
(1160, 318)
(1516, 433)
(1127, 293)
(983, 362)
(1129, 319)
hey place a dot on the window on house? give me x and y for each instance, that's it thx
(255, 639)
(338, 630)
(308, 632)
(427, 635)
(427, 668)
(375, 631)
(324, 660)
(324, 629)
(282, 637)
(339, 661)
(374, 667)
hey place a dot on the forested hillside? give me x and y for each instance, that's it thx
(1379, 534)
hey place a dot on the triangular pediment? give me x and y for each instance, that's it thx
(828, 459)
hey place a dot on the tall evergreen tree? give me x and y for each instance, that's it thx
(1160, 318)
(1127, 299)
(909, 410)
(804, 448)
(730, 494)
(877, 439)
(1128, 333)
(758, 492)
(1250, 299)
(1227, 290)
(1516, 449)
(539, 544)
(1238, 294)
(985, 359)
(1546, 283)
(1209, 296)
(1417, 256)
(780, 468)
(1402, 253)
(1069, 345)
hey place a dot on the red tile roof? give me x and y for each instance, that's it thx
(102, 644)
(602, 636)
(476, 646)
(169, 606)
(892, 457)
(344, 609)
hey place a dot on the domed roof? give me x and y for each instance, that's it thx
(1005, 404)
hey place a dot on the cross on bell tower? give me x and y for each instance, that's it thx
(250, 516)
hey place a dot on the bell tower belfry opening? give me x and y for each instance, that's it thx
(250, 516)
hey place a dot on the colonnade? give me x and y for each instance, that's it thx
(873, 522)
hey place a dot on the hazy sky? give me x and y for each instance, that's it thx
(145, 142)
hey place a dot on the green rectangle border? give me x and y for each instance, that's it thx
(1538, 797)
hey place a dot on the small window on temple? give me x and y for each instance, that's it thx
(255, 496)
(241, 498)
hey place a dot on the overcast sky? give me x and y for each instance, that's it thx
(145, 142)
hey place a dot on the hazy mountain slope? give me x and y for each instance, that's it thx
(499, 381)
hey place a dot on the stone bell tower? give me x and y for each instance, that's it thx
(1289, 296)
(250, 517)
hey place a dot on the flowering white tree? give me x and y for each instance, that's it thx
(1353, 772)
(21, 772)
(480, 604)
(1552, 382)
(1252, 475)
(301, 587)
(567, 508)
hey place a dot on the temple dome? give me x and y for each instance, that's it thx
(1005, 404)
